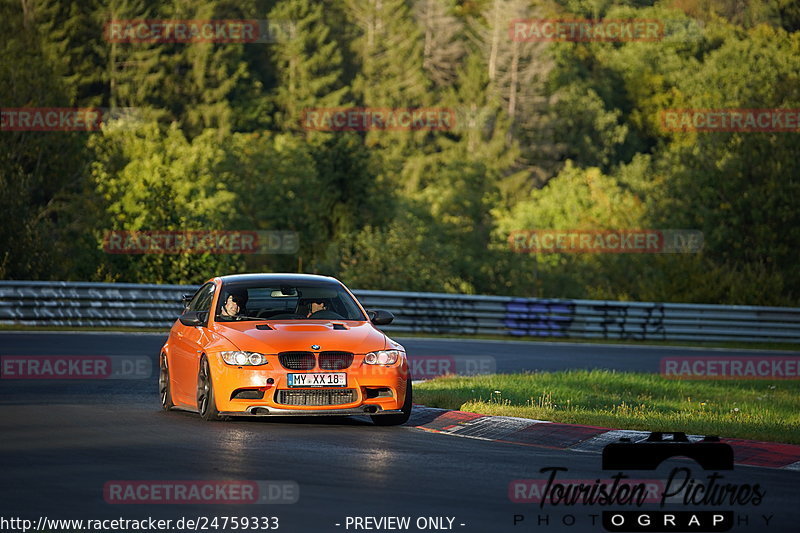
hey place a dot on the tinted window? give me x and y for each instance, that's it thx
(202, 299)
(275, 301)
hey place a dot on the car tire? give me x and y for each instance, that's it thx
(164, 388)
(206, 402)
(401, 418)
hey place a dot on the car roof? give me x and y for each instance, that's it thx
(277, 278)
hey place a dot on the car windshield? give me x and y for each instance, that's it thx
(273, 301)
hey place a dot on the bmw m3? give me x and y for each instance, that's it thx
(283, 344)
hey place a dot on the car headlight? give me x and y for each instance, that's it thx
(382, 357)
(240, 358)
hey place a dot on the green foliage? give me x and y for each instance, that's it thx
(408, 255)
(38, 170)
(546, 135)
(73, 40)
(390, 53)
(741, 189)
(308, 62)
(151, 179)
(579, 199)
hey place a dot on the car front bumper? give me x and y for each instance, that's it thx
(376, 389)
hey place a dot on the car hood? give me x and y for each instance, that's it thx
(356, 337)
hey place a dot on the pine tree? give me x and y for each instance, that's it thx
(391, 74)
(309, 62)
(37, 169)
(135, 70)
(443, 47)
(516, 70)
(204, 74)
(72, 36)
(390, 49)
(188, 82)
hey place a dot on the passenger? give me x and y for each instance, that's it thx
(233, 306)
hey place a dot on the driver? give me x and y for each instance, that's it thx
(315, 307)
(233, 306)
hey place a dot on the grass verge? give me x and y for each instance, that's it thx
(767, 410)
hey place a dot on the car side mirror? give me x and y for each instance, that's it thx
(380, 317)
(194, 318)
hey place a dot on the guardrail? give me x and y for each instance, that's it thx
(42, 303)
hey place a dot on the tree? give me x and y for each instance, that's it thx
(309, 63)
(38, 170)
(390, 50)
(740, 188)
(187, 82)
(443, 46)
(275, 178)
(516, 69)
(408, 255)
(579, 199)
(71, 34)
(154, 180)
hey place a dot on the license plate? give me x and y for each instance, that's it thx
(326, 379)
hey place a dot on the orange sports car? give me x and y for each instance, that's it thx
(283, 344)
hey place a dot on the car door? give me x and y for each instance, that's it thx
(188, 346)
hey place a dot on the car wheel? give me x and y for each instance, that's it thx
(206, 403)
(401, 418)
(164, 388)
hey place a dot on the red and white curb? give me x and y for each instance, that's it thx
(541, 433)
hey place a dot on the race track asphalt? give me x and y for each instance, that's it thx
(63, 441)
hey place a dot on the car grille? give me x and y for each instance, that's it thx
(315, 397)
(335, 360)
(307, 360)
(297, 360)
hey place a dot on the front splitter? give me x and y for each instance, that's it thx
(272, 411)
